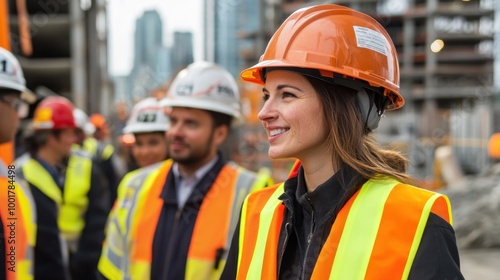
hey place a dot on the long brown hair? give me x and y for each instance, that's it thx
(352, 146)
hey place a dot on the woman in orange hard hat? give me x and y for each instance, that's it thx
(347, 210)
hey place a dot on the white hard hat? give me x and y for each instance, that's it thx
(12, 77)
(147, 116)
(205, 85)
(82, 121)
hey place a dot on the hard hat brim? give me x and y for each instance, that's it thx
(254, 75)
(26, 95)
(203, 105)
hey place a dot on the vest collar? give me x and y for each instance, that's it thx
(330, 194)
(55, 172)
(169, 192)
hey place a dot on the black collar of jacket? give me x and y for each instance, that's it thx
(327, 197)
(169, 192)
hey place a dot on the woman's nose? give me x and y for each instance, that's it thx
(267, 112)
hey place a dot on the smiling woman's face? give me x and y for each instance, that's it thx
(149, 148)
(292, 116)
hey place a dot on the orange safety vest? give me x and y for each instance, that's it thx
(128, 254)
(377, 233)
(19, 227)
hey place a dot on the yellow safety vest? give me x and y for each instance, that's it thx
(73, 201)
(18, 214)
(76, 201)
(127, 251)
(375, 235)
(91, 146)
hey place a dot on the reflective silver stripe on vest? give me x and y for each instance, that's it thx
(3, 169)
(112, 257)
(135, 183)
(244, 184)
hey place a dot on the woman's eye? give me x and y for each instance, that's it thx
(287, 94)
(265, 97)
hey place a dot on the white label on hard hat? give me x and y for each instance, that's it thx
(370, 39)
(146, 117)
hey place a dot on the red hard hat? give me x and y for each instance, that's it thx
(54, 112)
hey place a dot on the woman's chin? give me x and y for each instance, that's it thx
(276, 154)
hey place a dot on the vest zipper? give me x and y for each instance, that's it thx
(285, 241)
(309, 238)
(171, 241)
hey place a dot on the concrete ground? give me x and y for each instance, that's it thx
(480, 264)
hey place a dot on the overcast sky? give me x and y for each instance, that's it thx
(185, 15)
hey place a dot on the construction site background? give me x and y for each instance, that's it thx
(450, 79)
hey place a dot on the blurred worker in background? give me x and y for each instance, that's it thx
(118, 118)
(122, 142)
(71, 195)
(84, 128)
(83, 261)
(148, 123)
(103, 152)
(17, 209)
(174, 219)
(125, 144)
(43, 172)
(102, 130)
(347, 210)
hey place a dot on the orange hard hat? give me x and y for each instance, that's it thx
(494, 146)
(343, 44)
(54, 112)
(98, 120)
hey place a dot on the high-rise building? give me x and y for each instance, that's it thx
(152, 64)
(147, 38)
(121, 84)
(182, 51)
(233, 33)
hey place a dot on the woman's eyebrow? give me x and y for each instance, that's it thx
(279, 87)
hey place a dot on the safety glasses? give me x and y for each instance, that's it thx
(16, 103)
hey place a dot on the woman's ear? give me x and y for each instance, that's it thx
(368, 110)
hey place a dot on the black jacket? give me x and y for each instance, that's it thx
(107, 166)
(311, 215)
(48, 252)
(175, 226)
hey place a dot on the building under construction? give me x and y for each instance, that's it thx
(62, 48)
(449, 79)
(450, 73)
